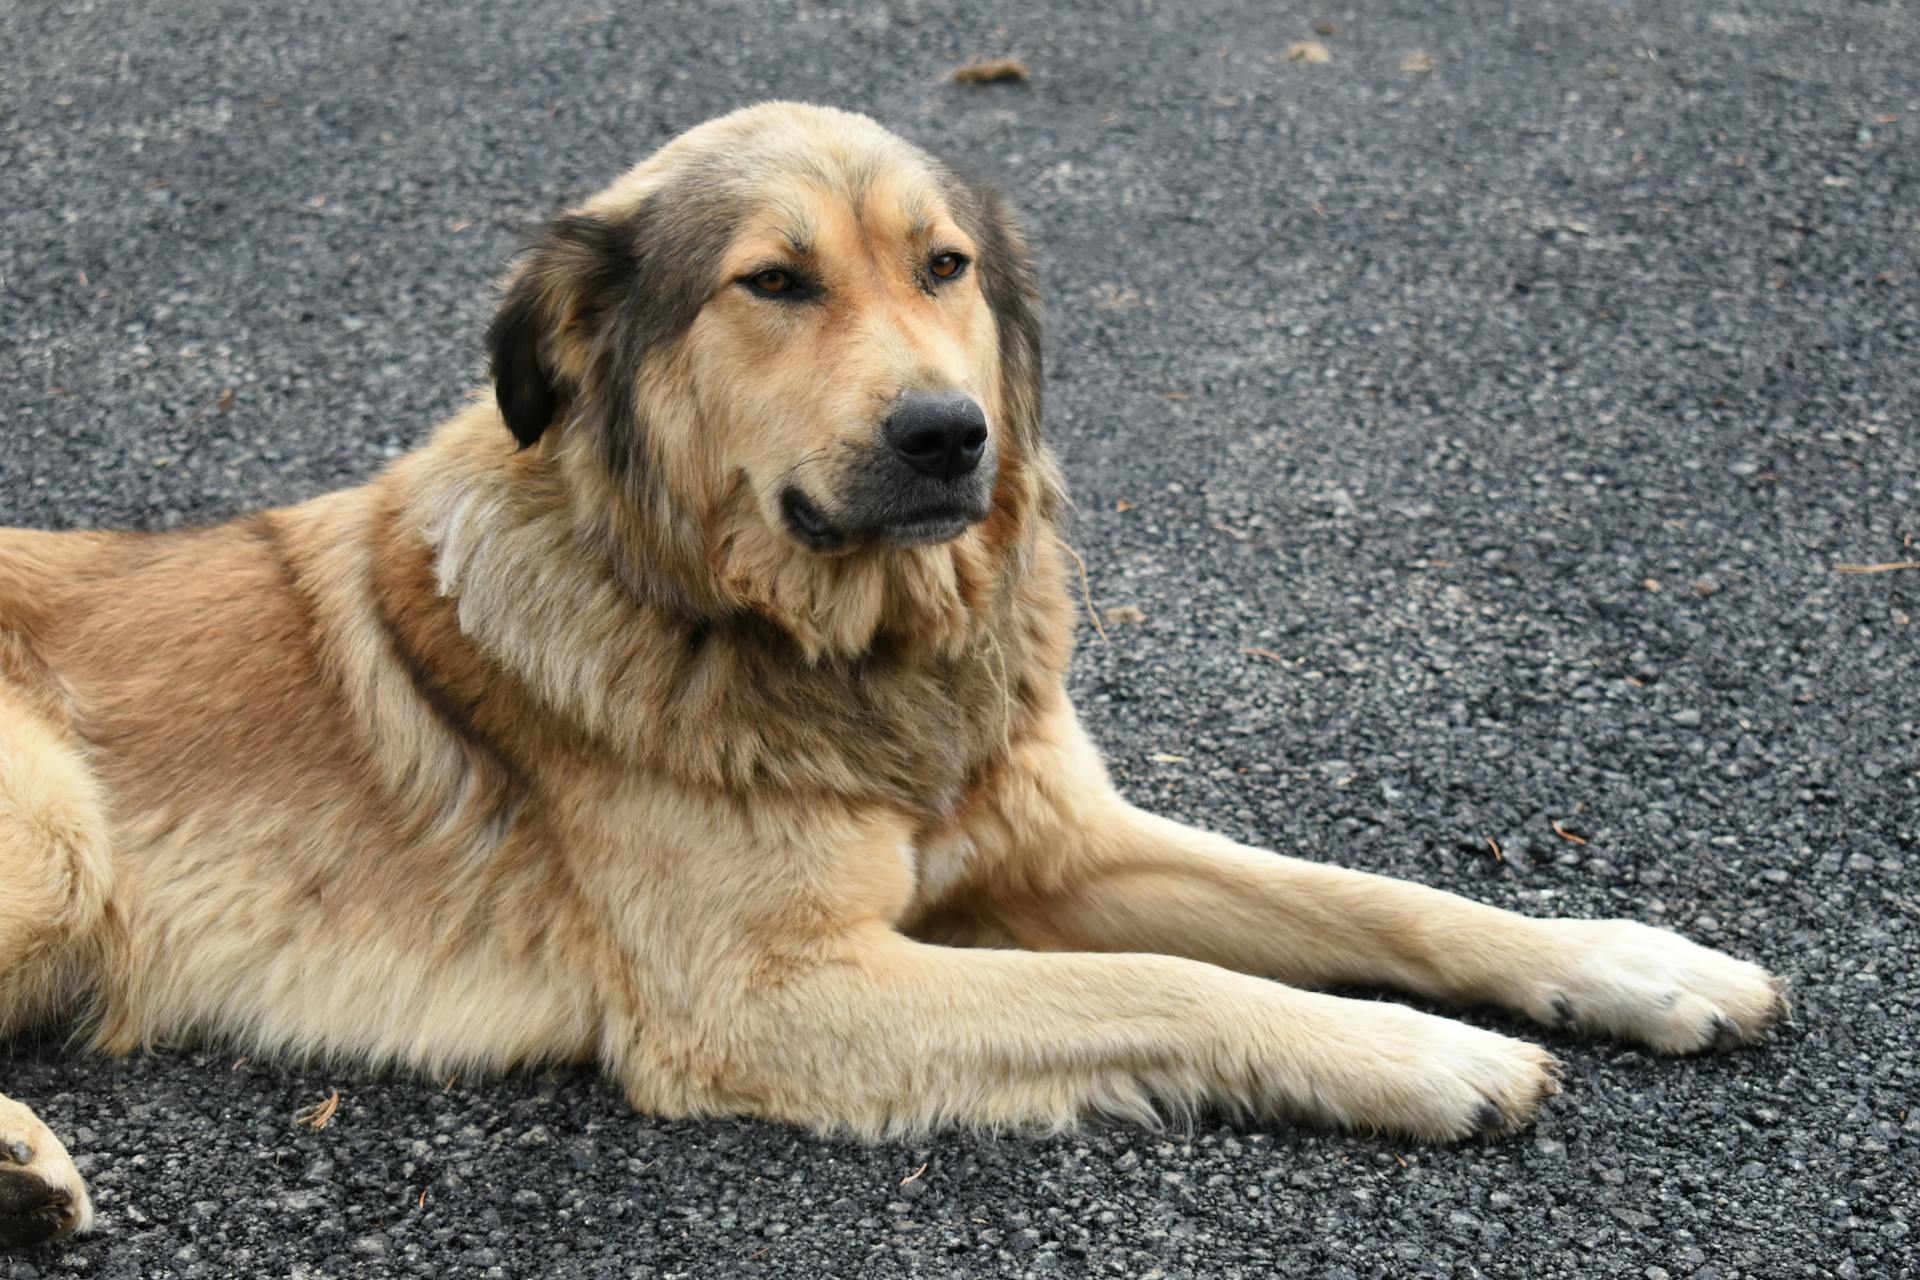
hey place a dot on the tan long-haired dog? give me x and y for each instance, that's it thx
(694, 705)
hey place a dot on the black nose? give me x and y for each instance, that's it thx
(938, 434)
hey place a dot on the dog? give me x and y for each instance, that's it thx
(693, 704)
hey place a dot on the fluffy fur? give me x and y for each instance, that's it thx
(553, 742)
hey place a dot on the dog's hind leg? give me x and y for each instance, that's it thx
(54, 878)
(41, 1194)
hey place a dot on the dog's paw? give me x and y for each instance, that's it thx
(1438, 1080)
(41, 1195)
(1618, 978)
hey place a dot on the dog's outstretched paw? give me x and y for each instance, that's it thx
(1487, 1086)
(1434, 1079)
(41, 1195)
(1656, 988)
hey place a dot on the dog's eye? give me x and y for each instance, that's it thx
(947, 266)
(771, 282)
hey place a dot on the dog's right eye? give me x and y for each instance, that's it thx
(775, 283)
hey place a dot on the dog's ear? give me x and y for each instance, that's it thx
(523, 385)
(1012, 288)
(555, 326)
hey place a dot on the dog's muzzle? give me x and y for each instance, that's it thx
(927, 479)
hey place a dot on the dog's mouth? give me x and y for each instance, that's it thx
(927, 528)
(808, 523)
(922, 526)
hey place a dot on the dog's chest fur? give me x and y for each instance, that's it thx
(913, 734)
(725, 703)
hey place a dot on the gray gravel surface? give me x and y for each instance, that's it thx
(1478, 443)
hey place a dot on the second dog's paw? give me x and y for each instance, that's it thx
(1618, 978)
(41, 1195)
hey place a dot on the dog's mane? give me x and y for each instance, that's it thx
(887, 677)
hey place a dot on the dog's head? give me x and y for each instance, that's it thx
(803, 337)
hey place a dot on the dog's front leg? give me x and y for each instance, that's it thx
(763, 975)
(882, 1035)
(1059, 860)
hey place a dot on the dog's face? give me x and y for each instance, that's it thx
(792, 309)
(847, 358)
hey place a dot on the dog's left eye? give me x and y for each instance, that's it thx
(946, 267)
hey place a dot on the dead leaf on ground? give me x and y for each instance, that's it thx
(1547, 226)
(1120, 615)
(1161, 757)
(1268, 654)
(1568, 836)
(320, 1114)
(1419, 62)
(992, 71)
(1326, 29)
(225, 403)
(1890, 566)
(1121, 504)
(1308, 51)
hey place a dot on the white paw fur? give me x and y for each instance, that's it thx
(1652, 987)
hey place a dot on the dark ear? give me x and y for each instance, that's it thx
(1012, 288)
(522, 383)
(555, 324)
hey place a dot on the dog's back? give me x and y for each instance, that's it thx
(209, 705)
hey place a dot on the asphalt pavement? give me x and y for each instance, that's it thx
(1468, 430)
